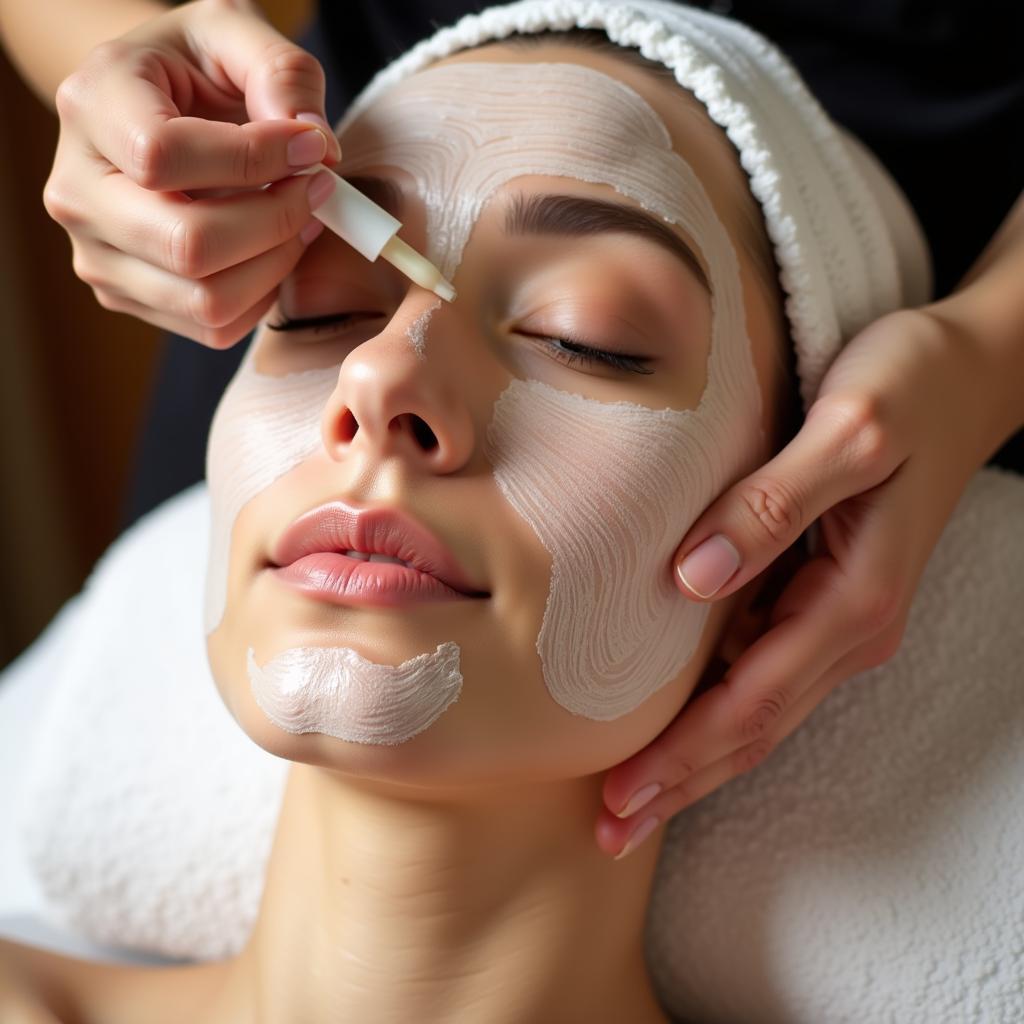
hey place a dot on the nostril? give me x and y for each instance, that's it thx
(422, 432)
(348, 427)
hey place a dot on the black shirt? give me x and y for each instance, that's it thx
(934, 87)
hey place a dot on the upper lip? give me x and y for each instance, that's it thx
(338, 527)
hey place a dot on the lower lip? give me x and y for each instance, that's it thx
(338, 579)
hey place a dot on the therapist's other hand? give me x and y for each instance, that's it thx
(207, 97)
(902, 422)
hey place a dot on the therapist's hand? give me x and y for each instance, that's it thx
(911, 408)
(206, 98)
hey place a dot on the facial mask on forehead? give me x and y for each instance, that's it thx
(463, 130)
(609, 488)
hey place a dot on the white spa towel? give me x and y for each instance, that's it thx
(869, 872)
(147, 814)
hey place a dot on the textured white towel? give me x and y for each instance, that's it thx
(869, 871)
(147, 813)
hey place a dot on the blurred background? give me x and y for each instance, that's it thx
(74, 383)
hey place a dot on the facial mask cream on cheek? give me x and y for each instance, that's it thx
(264, 426)
(609, 488)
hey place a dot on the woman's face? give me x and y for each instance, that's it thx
(556, 430)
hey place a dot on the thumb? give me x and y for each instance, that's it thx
(278, 79)
(832, 457)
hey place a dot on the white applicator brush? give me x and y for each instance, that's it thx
(373, 232)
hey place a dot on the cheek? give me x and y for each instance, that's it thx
(264, 426)
(609, 488)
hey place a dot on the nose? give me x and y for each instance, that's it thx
(394, 398)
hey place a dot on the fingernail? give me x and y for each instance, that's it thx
(310, 231)
(641, 798)
(641, 833)
(320, 187)
(306, 148)
(709, 566)
(321, 123)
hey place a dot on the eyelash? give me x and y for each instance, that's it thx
(317, 324)
(569, 350)
(573, 352)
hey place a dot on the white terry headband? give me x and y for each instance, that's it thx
(848, 246)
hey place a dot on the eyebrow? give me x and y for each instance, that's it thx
(559, 214)
(577, 216)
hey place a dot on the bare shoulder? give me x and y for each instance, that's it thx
(41, 987)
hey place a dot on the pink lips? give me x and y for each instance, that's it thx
(311, 555)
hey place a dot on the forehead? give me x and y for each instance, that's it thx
(463, 129)
(694, 136)
(689, 131)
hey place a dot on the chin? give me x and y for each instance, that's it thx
(503, 729)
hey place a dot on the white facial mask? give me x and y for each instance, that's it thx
(335, 691)
(264, 426)
(608, 488)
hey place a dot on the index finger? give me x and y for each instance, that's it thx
(841, 450)
(142, 134)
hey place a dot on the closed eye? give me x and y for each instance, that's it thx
(573, 352)
(322, 324)
(570, 351)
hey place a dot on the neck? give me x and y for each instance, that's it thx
(390, 907)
